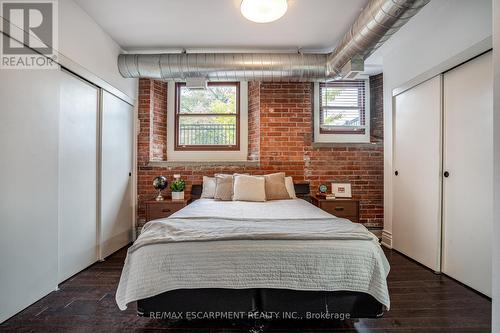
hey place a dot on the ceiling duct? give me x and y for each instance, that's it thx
(196, 83)
(353, 68)
(378, 21)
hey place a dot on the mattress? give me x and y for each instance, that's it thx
(282, 244)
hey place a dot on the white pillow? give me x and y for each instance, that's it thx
(290, 188)
(208, 191)
(249, 188)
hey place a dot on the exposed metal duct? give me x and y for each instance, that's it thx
(378, 21)
(224, 66)
(376, 24)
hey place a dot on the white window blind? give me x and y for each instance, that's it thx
(342, 107)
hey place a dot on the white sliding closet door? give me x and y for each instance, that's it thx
(77, 175)
(29, 116)
(468, 157)
(116, 169)
(417, 162)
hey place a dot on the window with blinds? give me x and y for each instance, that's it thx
(342, 107)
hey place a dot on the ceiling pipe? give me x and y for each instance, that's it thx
(378, 21)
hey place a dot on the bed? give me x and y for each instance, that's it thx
(283, 259)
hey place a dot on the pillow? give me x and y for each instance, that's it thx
(208, 191)
(290, 188)
(223, 187)
(275, 186)
(227, 174)
(249, 188)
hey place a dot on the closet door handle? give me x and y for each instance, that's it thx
(446, 174)
(396, 172)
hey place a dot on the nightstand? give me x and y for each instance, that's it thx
(345, 208)
(162, 209)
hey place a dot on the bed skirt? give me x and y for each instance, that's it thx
(263, 304)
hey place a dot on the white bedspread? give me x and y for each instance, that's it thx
(286, 244)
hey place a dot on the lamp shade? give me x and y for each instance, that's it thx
(263, 11)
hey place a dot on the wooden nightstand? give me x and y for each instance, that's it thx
(162, 209)
(345, 208)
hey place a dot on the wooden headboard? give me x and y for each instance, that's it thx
(301, 190)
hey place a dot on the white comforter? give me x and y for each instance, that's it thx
(286, 244)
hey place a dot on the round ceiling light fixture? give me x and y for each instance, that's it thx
(263, 11)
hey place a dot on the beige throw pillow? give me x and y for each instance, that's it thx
(223, 187)
(275, 186)
(249, 188)
(290, 188)
(208, 191)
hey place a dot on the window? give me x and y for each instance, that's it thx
(341, 112)
(207, 119)
(342, 107)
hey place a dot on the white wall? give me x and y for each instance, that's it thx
(443, 34)
(83, 41)
(84, 48)
(496, 132)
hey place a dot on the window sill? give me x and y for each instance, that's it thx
(346, 144)
(164, 164)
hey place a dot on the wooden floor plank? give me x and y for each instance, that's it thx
(421, 301)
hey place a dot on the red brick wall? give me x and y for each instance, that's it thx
(377, 107)
(159, 121)
(152, 139)
(280, 137)
(285, 124)
(253, 121)
(144, 114)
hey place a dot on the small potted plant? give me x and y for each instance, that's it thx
(177, 187)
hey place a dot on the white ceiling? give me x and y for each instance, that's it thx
(164, 24)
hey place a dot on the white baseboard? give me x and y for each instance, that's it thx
(387, 239)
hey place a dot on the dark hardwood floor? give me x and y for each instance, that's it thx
(421, 302)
